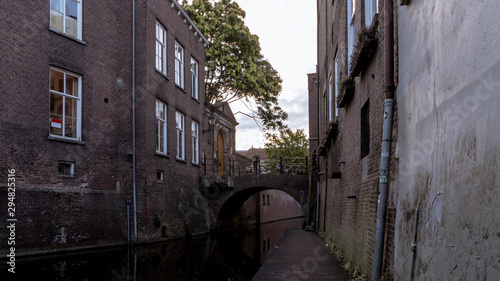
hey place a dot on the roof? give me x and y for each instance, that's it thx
(188, 20)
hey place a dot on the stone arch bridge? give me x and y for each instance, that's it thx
(226, 201)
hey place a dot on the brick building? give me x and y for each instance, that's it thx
(346, 107)
(66, 111)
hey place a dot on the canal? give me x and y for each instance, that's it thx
(228, 255)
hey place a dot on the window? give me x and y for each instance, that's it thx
(365, 129)
(330, 100)
(194, 78)
(66, 17)
(179, 125)
(160, 175)
(161, 49)
(179, 65)
(325, 105)
(371, 8)
(66, 169)
(336, 85)
(195, 142)
(351, 9)
(65, 104)
(161, 127)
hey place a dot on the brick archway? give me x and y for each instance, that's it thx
(225, 202)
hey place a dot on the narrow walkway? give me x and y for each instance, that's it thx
(301, 255)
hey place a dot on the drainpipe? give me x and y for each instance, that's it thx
(386, 140)
(133, 122)
(414, 244)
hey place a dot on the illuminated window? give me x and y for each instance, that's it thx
(65, 104)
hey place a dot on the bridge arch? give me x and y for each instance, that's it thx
(228, 202)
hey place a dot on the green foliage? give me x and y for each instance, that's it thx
(235, 69)
(290, 146)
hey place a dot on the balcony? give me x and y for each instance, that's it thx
(363, 51)
(346, 92)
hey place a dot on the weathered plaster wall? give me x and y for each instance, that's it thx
(448, 142)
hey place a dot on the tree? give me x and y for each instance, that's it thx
(286, 148)
(235, 68)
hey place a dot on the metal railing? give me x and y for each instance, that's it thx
(224, 168)
(218, 167)
(275, 166)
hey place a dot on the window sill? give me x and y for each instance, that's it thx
(196, 164)
(162, 74)
(181, 160)
(53, 138)
(67, 36)
(181, 88)
(66, 176)
(196, 100)
(162, 155)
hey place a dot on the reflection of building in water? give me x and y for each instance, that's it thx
(271, 233)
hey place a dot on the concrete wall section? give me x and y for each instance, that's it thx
(449, 141)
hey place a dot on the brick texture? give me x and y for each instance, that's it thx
(348, 205)
(90, 207)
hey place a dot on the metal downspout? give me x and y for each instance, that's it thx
(133, 123)
(378, 254)
(414, 244)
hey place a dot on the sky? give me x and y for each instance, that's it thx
(287, 36)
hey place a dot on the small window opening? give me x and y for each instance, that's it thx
(159, 176)
(66, 169)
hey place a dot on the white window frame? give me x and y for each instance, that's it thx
(161, 49)
(179, 65)
(351, 11)
(78, 20)
(330, 99)
(195, 143)
(161, 123)
(61, 124)
(194, 79)
(179, 125)
(371, 9)
(336, 84)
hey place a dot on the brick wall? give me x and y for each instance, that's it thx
(348, 205)
(90, 207)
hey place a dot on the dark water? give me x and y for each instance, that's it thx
(229, 255)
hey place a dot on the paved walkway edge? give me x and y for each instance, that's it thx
(301, 255)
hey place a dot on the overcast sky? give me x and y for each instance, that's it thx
(287, 36)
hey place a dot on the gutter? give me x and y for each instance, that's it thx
(385, 164)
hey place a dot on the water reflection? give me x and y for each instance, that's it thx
(228, 255)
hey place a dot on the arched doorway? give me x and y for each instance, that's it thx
(220, 154)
